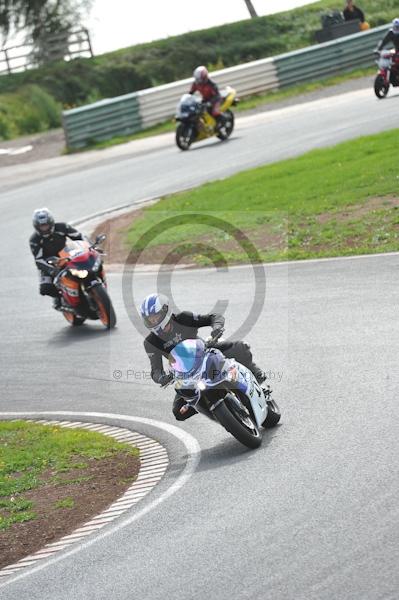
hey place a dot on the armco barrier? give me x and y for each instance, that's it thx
(102, 120)
(337, 56)
(128, 114)
(158, 104)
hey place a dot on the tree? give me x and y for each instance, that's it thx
(251, 8)
(38, 18)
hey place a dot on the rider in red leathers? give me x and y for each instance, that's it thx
(209, 92)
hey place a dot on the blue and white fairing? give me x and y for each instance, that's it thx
(197, 369)
(247, 384)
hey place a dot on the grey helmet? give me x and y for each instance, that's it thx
(43, 222)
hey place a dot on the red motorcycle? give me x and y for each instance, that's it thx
(388, 73)
(82, 284)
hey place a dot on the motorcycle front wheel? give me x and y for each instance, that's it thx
(184, 136)
(273, 414)
(105, 310)
(243, 429)
(73, 319)
(381, 88)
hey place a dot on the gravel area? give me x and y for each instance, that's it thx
(52, 143)
(44, 145)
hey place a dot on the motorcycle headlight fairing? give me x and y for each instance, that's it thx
(81, 273)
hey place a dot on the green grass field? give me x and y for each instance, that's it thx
(336, 201)
(29, 450)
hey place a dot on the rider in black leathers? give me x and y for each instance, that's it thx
(47, 240)
(391, 37)
(169, 329)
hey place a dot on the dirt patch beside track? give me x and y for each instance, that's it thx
(85, 494)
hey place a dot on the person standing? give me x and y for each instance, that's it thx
(352, 12)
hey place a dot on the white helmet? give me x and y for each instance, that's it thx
(395, 25)
(200, 74)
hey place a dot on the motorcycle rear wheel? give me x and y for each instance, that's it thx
(228, 128)
(234, 424)
(184, 136)
(380, 87)
(105, 310)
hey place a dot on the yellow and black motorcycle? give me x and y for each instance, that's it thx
(195, 123)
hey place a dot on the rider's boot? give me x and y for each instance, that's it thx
(260, 375)
(57, 303)
(267, 392)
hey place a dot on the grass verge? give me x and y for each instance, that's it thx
(337, 201)
(34, 456)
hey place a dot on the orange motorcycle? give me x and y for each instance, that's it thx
(81, 283)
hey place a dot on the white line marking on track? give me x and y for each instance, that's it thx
(16, 151)
(193, 458)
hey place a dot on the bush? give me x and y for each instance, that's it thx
(29, 110)
(74, 83)
(6, 131)
(43, 104)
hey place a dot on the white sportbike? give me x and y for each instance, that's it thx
(222, 389)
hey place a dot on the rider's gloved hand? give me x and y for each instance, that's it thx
(217, 332)
(50, 268)
(53, 271)
(165, 379)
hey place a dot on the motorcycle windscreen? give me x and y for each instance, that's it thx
(86, 262)
(78, 252)
(187, 106)
(74, 248)
(186, 358)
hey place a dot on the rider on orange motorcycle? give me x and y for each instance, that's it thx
(47, 240)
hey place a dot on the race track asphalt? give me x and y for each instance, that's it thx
(311, 515)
